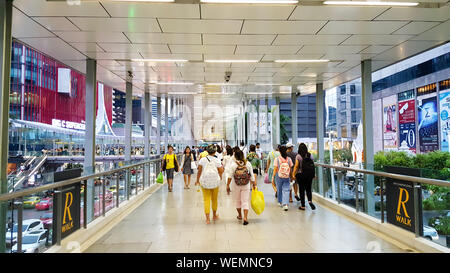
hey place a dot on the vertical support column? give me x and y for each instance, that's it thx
(294, 117)
(158, 125)
(276, 125)
(5, 72)
(89, 138)
(258, 137)
(267, 121)
(366, 92)
(320, 131)
(147, 122)
(128, 119)
(166, 124)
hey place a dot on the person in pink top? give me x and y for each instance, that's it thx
(283, 167)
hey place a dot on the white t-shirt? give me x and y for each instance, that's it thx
(232, 168)
(258, 152)
(203, 161)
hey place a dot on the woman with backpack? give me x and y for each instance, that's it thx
(186, 169)
(304, 172)
(208, 177)
(282, 171)
(253, 158)
(241, 172)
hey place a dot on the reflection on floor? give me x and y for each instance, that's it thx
(174, 222)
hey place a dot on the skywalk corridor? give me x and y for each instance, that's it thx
(175, 222)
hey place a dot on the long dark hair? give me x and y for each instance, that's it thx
(239, 155)
(229, 150)
(187, 147)
(303, 150)
(283, 151)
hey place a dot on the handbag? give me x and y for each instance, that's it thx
(193, 165)
(266, 179)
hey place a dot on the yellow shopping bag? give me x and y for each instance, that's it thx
(257, 201)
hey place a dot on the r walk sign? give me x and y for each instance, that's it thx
(400, 207)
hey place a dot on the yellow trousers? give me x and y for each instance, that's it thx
(208, 196)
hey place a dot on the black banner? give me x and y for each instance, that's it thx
(71, 204)
(400, 200)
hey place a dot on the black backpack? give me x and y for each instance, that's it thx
(308, 169)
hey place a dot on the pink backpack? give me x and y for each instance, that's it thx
(283, 167)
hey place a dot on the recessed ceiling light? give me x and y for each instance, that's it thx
(250, 1)
(370, 3)
(302, 61)
(160, 60)
(231, 61)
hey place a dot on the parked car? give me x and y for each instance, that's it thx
(378, 190)
(30, 202)
(47, 220)
(435, 221)
(44, 204)
(27, 227)
(33, 242)
(430, 233)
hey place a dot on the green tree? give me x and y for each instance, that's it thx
(283, 133)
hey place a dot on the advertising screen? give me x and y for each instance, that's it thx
(407, 121)
(428, 123)
(444, 100)
(390, 123)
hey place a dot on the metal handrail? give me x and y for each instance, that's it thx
(415, 179)
(18, 194)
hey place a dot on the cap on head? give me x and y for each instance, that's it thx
(289, 145)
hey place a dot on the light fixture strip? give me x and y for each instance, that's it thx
(160, 60)
(250, 1)
(231, 61)
(371, 3)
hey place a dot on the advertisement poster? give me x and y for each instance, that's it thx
(377, 126)
(407, 121)
(428, 123)
(444, 99)
(390, 123)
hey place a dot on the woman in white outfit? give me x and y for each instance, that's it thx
(227, 160)
(241, 170)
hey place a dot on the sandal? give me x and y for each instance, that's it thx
(245, 223)
(239, 218)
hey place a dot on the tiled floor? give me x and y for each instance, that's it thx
(174, 222)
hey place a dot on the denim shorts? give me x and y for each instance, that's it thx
(169, 173)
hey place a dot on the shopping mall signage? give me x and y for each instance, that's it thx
(68, 124)
(400, 207)
(407, 120)
(70, 211)
(426, 89)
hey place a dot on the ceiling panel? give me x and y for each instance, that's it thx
(199, 49)
(376, 39)
(56, 23)
(46, 8)
(249, 12)
(336, 13)
(80, 65)
(291, 57)
(405, 50)
(339, 56)
(190, 57)
(200, 26)
(282, 27)
(419, 14)
(233, 57)
(153, 10)
(414, 28)
(55, 48)
(310, 39)
(87, 47)
(164, 38)
(230, 39)
(24, 27)
(375, 49)
(438, 33)
(331, 49)
(91, 36)
(113, 56)
(116, 24)
(363, 27)
(243, 49)
(127, 47)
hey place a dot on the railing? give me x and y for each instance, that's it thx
(355, 187)
(104, 190)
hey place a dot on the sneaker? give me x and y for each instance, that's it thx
(279, 204)
(312, 206)
(285, 207)
(297, 198)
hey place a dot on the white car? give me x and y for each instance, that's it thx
(430, 233)
(33, 242)
(28, 226)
